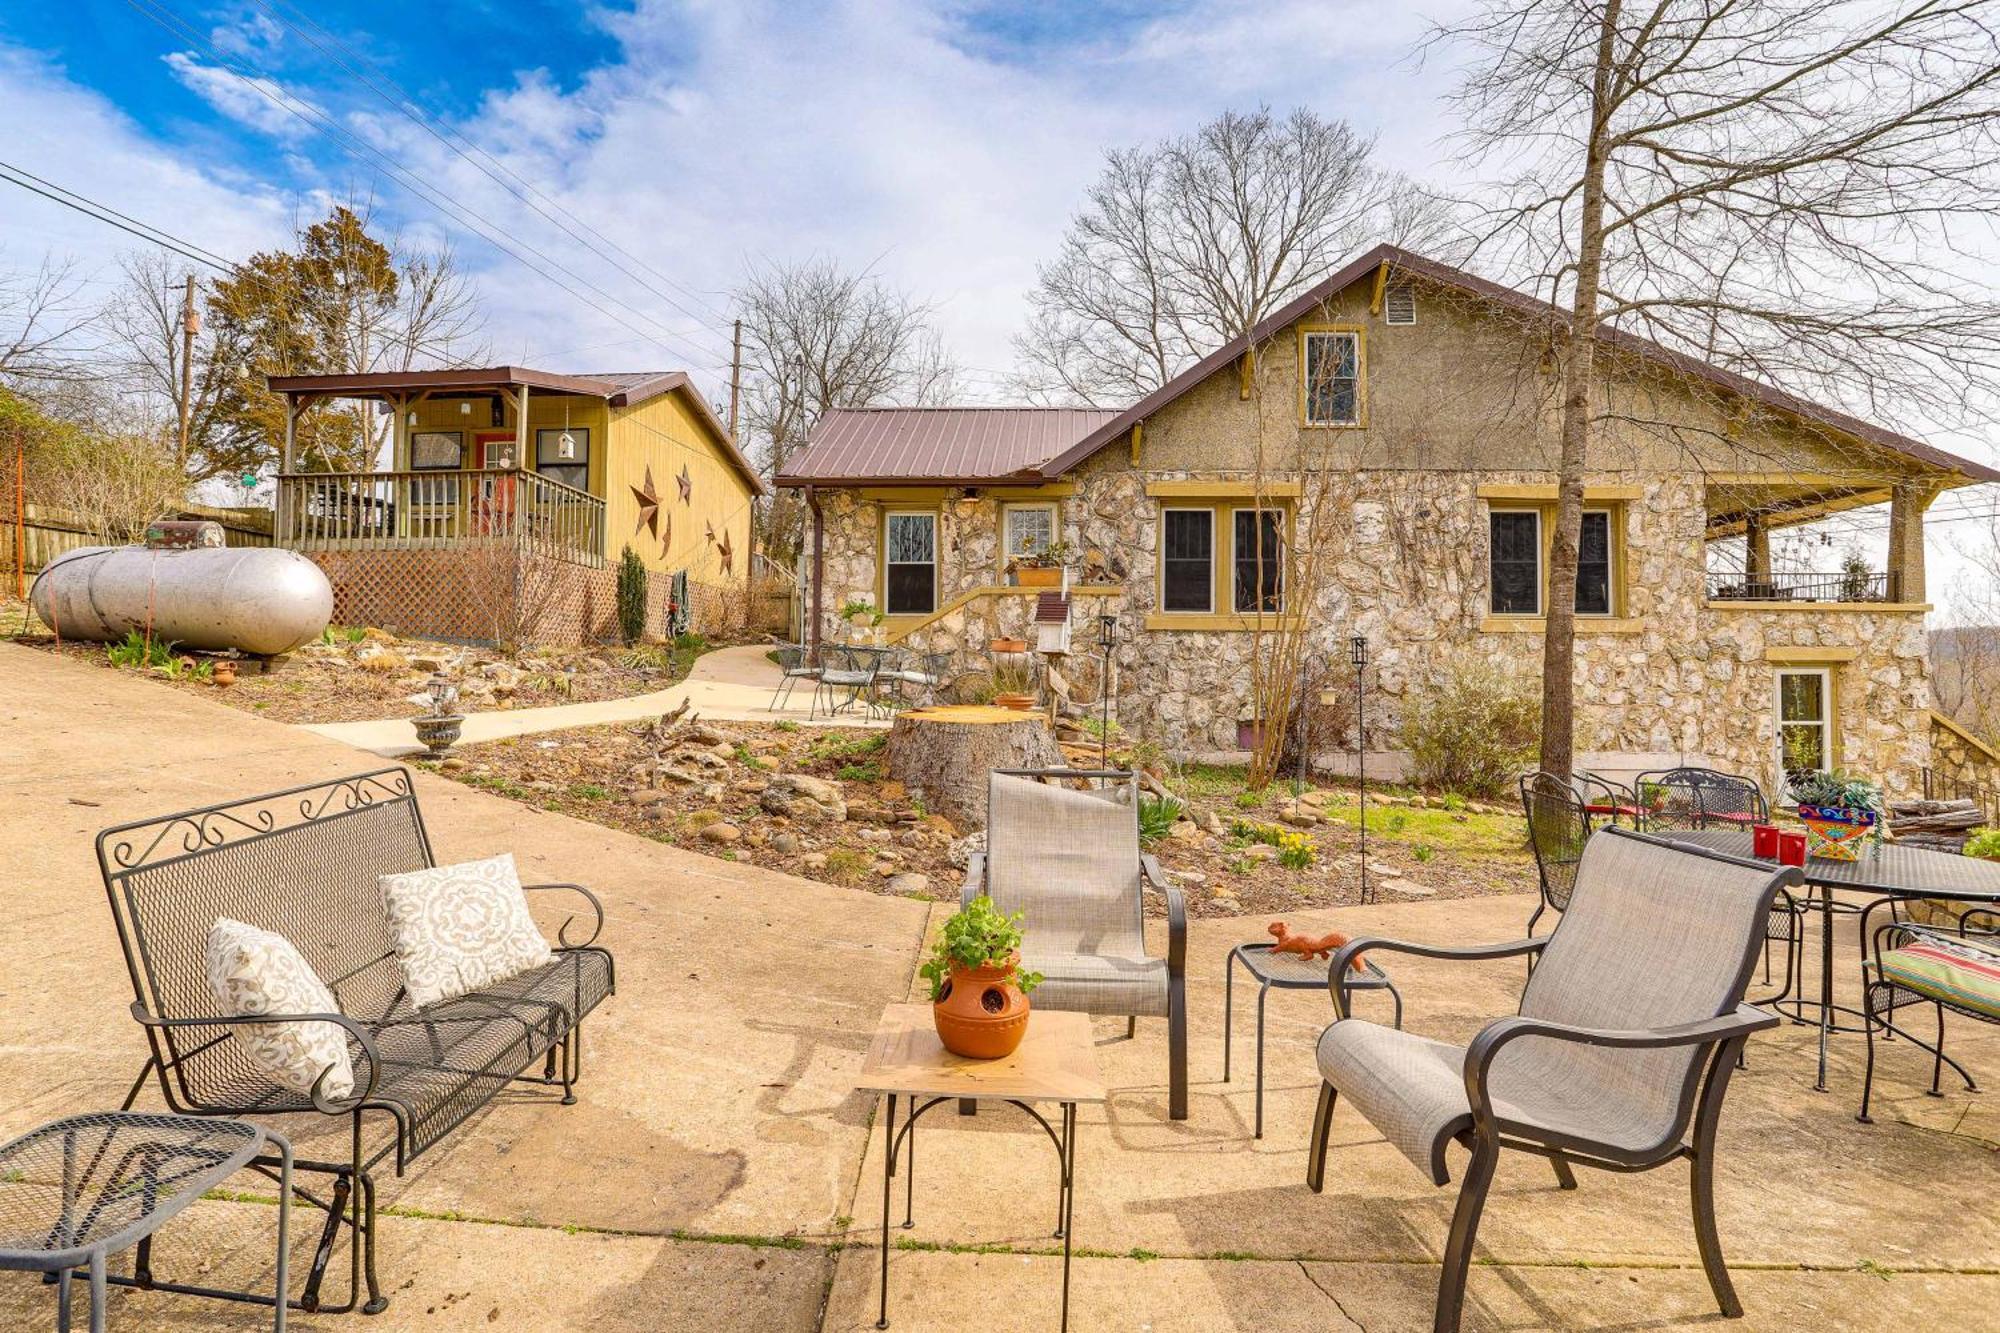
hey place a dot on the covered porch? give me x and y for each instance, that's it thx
(504, 456)
(1746, 509)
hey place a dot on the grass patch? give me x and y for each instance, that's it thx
(842, 862)
(863, 772)
(589, 791)
(848, 747)
(493, 782)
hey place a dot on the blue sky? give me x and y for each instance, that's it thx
(943, 142)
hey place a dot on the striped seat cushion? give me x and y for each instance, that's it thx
(1960, 971)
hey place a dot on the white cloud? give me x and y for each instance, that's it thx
(257, 102)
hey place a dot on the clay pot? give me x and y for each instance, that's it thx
(1008, 645)
(1020, 703)
(225, 672)
(1039, 576)
(983, 1014)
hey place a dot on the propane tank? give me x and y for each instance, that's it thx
(254, 599)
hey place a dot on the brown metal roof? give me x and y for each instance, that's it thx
(620, 388)
(1410, 262)
(930, 444)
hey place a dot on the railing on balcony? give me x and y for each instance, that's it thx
(325, 511)
(1855, 586)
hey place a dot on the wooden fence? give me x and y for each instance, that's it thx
(50, 532)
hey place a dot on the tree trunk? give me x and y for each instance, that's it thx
(944, 754)
(1579, 379)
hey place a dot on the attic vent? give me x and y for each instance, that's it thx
(1399, 304)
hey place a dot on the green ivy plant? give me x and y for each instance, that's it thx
(976, 935)
(1985, 843)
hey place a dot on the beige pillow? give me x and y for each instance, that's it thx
(255, 971)
(461, 928)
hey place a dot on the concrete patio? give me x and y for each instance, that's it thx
(718, 1173)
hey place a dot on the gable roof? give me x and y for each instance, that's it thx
(1410, 262)
(620, 388)
(964, 445)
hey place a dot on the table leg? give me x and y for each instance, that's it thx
(888, 1178)
(1825, 978)
(97, 1291)
(910, 1167)
(63, 1299)
(1069, 1200)
(1228, 1007)
(1262, 991)
(284, 1226)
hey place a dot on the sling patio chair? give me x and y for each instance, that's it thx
(795, 665)
(1629, 1029)
(1069, 860)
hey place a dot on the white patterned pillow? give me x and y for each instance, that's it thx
(461, 928)
(255, 971)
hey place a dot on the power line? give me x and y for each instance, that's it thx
(362, 150)
(385, 87)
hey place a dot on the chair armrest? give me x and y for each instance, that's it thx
(1151, 873)
(319, 1100)
(1492, 1038)
(1965, 918)
(1339, 969)
(596, 909)
(975, 878)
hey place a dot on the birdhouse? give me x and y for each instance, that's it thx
(1052, 622)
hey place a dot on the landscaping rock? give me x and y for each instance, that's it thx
(1409, 888)
(1183, 831)
(701, 733)
(650, 797)
(813, 861)
(804, 797)
(1260, 851)
(678, 775)
(453, 765)
(909, 884)
(786, 844)
(959, 851)
(721, 833)
(1298, 817)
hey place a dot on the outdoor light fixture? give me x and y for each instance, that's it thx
(465, 409)
(412, 418)
(1107, 637)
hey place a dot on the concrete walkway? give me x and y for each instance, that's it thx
(717, 1172)
(727, 685)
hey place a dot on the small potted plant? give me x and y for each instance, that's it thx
(438, 725)
(1040, 569)
(1652, 797)
(979, 994)
(1013, 685)
(862, 616)
(1839, 810)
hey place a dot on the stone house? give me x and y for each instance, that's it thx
(1377, 459)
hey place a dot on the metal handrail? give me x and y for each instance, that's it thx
(1840, 586)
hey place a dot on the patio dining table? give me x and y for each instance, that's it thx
(1886, 869)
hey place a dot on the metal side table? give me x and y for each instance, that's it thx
(1286, 971)
(78, 1190)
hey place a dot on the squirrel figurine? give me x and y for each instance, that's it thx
(1319, 950)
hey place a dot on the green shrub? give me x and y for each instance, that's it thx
(631, 596)
(1473, 728)
(1986, 842)
(1423, 851)
(1156, 818)
(867, 771)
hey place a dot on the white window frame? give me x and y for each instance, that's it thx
(1778, 723)
(1209, 510)
(1282, 533)
(1541, 563)
(1305, 362)
(889, 514)
(1007, 512)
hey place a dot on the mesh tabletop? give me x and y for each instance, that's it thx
(1887, 867)
(1298, 971)
(101, 1182)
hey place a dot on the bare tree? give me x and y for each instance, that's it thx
(41, 314)
(1782, 187)
(819, 336)
(1183, 245)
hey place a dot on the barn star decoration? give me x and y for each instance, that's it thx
(649, 506)
(686, 484)
(724, 551)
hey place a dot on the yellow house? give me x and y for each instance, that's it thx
(510, 496)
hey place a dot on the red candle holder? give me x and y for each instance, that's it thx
(1792, 849)
(1764, 841)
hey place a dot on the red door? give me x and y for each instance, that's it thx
(493, 504)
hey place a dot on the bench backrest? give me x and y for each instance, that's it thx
(305, 862)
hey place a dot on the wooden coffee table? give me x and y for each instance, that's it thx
(1056, 1062)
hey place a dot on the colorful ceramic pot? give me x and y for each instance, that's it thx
(1834, 833)
(983, 1014)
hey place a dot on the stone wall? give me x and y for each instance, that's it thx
(1671, 679)
(1958, 758)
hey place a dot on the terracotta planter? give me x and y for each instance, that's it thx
(983, 1014)
(1020, 703)
(1835, 834)
(1008, 646)
(225, 672)
(438, 734)
(1035, 576)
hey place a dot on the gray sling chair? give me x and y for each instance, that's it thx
(1630, 1024)
(1070, 861)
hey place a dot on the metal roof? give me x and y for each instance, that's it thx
(957, 444)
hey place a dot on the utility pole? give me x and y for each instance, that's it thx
(190, 326)
(735, 377)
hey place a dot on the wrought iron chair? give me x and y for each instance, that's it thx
(849, 669)
(1558, 828)
(1917, 964)
(794, 660)
(1606, 799)
(1701, 798)
(1628, 1029)
(1070, 860)
(930, 673)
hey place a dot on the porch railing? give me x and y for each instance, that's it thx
(1950, 787)
(1839, 587)
(325, 511)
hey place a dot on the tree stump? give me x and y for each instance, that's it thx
(945, 753)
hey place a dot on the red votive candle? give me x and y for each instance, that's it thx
(1792, 849)
(1764, 841)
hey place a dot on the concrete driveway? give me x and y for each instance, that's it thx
(717, 1173)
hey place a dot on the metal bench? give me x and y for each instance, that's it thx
(307, 864)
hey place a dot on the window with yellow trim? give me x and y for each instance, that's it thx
(1026, 530)
(1518, 542)
(1222, 559)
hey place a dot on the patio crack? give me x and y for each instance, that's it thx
(1330, 1296)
